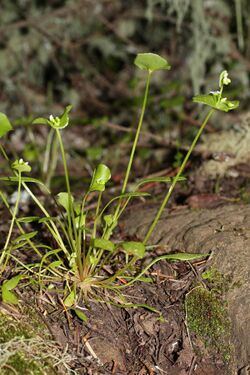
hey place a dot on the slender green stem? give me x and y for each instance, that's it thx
(14, 213)
(94, 233)
(97, 214)
(121, 271)
(56, 233)
(50, 157)
(82, 233)
(4, 153)
(135, 143)
(183, 165)
(71, 216)
(32, 245)
(239, 23)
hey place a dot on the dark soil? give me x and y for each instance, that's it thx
(135, 341)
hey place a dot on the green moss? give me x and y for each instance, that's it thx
(23, 352)
(217, 282)
(22, 365)
(207, 318)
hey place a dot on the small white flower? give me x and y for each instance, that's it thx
(224, 79)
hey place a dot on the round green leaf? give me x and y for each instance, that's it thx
(63, 200)
(134, 248)
(100, 177)
(151, 62)
(5, 125)
(101, 243)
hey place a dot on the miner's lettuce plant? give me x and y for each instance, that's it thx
(86, 257)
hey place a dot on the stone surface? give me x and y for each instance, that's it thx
(224, 232)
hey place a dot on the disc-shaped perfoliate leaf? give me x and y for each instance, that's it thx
(55, 122)
(64, 119)
(213, 100)
(101, 243)
(134, 248)
(21, 166)
(151, 62)
(63, 200)
(100, 177)
(5, 125)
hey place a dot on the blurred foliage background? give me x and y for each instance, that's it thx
(56, 52)
(81, 52)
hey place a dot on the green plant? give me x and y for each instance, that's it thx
(85, 258)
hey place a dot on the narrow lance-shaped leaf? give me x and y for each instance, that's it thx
(70, 299)
(159, 179)
(80, 314)
(25, 236)
(184, 256)
(40, 120)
